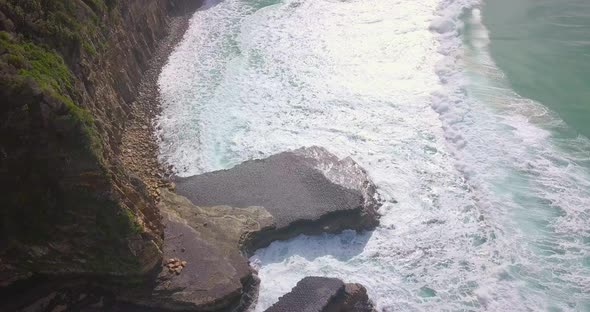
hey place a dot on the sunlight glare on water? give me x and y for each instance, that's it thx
(490, 212)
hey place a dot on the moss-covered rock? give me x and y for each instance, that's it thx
(69, 71)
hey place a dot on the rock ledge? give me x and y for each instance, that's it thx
(217, 219)
(322, 294)
(306, 191)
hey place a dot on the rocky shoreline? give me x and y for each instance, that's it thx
(132, 153)
(215, 220)
(140, 154)
(139, 144)
(203, 234)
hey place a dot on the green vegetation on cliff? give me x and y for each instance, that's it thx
(21, 60)
(64, 24)
(45, 67)
(43, 31)
(64, 186)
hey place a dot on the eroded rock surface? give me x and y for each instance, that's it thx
(230, 213)
(307, 191)
(322, 294)
(216, 275)
(68, 86)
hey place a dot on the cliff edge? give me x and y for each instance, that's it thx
(86, 217)
(70, 72)
(218, 219)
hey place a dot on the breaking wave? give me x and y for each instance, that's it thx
(485, 193)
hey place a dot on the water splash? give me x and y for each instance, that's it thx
(491, 208)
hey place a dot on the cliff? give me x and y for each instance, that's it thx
(85, 207)
(70, 72)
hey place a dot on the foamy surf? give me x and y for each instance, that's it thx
(491, 209)
(530, 188)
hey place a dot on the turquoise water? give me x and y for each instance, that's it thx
(543, 46)
(539, 175)
(486, 186)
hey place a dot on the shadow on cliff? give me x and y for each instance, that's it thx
(342, 247)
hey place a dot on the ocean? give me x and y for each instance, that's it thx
(471, 118)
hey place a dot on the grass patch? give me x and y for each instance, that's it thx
(62, 24)
(48, 70)
(46, 67)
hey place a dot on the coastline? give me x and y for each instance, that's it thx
(139, 144)
(379, 144)
(138, 153)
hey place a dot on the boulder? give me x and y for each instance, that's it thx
(307, 191)
(215, 275)
(322, 294)
(217, 219)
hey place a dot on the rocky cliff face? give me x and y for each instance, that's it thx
(69, 75)
(77, 89)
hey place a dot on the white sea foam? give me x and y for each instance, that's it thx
(492, 208)
(507, 150)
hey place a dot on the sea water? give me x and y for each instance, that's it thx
(486, 192)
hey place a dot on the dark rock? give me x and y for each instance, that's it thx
(278, 197)
(58, 295)
(59, 141)
(216, 276)
(311, 294)
(322, 294)
(307, 191)
(5, 23)
(355, 299)
(71, 206)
